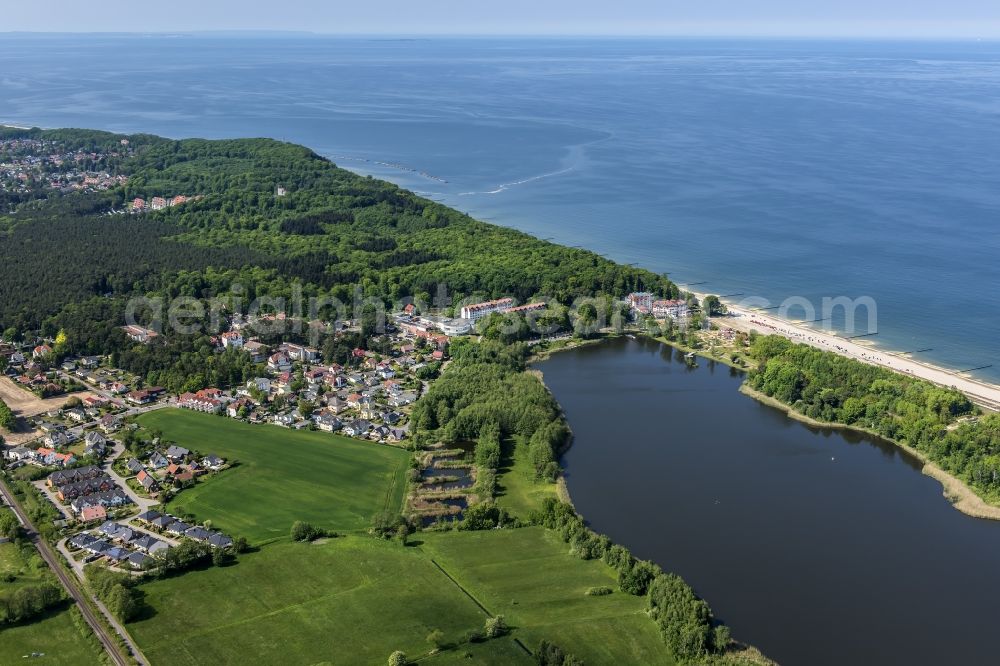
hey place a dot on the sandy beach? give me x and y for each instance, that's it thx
(747, 319)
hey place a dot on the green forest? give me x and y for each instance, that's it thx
(67, 263)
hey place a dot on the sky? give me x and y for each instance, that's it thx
(788, 18)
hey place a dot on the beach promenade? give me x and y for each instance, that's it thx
(746, 319)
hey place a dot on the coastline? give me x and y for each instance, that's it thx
(982, 393)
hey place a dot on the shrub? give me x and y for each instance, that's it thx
(398, 658)
(600, 591)
(495, 627)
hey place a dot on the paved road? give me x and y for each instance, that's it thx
(143, 503)
(70, 585)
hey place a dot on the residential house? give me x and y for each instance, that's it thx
(62, 477)
(178, 527)
(219, 540)
(233, 409)
(284, 420)
(328, 423)
(257, 351)
(138, 560)
(148, 515)
(50, 457)
(149, 544)
(357, 428)
(213, 462)
(177, 453)
(110, 423)
(56, 439)
(232, 340)
(279, 362)
(147, 481)
(262, 384)
(145, 396)
(402, 399)
(335, 404)
(19, 454)
(197, 534)
(91, 513)
(161, 522)
(96, 442)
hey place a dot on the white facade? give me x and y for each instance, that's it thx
(477, 311)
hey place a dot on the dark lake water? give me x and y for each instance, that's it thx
(819, 547)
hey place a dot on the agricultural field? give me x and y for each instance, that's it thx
(282, 476)
(356, 599)
(528, 576)
(345, 600)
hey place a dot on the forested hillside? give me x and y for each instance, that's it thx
(332, 229)
(70, 261)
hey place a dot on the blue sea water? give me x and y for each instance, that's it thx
(768, 168)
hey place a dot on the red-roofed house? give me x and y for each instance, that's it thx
(93, 512)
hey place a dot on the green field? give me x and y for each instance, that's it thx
(517, 489)
(282, 475)
(347, 600)
(356, 599)
(55, 633)
(529, 577)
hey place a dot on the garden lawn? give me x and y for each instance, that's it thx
(528, 576)
(350, 600)
(282, 476)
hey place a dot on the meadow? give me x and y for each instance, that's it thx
(529, 576)
(282, 476)
(60, 634)
(518, 489)
(345, 600)
(356, 599)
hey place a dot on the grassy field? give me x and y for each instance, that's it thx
(25, 564)
(58, 635)
(355, 600)
(55, 633)
(346, 600)
(529, 577)
(283, 475)
(517, 489)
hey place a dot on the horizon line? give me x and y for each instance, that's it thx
(499, 35)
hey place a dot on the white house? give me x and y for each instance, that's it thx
(232, 339)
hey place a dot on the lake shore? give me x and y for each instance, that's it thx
(961, 496)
